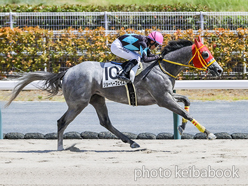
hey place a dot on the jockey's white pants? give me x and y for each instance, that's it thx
(119, 50)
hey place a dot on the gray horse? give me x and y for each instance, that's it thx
(82, 85)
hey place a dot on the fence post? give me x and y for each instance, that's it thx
(1, 131)
(244, 64)
(11, 23)
(244, 68)
(176, 124)
(106, 22)
(202, 23)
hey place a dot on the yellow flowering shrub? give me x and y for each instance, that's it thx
(34, 49)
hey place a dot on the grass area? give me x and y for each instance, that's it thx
(215, 5)
(193, 95)
(32, 96)
(214, 95)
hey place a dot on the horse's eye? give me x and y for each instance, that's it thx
(205, 54)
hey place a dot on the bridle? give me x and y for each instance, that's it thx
(203, 63)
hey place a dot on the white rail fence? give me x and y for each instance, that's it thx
(166, 21)
(180, 84)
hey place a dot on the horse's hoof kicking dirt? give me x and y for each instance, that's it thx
(134, 145)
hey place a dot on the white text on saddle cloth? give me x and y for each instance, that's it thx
(110, 72)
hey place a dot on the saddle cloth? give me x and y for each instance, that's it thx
(110, 71)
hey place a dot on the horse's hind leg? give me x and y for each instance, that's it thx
(65, 120)
(98, 103)
(185, 100)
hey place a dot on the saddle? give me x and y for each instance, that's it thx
(110, 72)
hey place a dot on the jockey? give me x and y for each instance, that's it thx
(126, 45)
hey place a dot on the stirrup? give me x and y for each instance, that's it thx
(123, 78)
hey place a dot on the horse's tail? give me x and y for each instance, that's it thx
(52, 83)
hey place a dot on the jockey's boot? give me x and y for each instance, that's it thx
(123, 76)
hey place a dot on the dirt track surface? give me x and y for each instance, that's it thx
(111, 162)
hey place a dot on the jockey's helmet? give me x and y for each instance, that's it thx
(157, 37)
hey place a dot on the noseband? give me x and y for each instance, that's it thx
(204, 65)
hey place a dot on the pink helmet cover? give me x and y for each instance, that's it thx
(157, 37)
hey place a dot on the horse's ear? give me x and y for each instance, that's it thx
(196, 42)
(199, 38)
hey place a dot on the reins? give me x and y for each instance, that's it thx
(202, 61)
(149, 69)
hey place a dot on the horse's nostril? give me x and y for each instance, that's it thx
(219, 71)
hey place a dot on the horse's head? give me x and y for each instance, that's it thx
(203, 59)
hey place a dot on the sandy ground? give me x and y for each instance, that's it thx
(111, 162)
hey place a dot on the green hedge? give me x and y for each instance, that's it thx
(31, 49)
(177, 7)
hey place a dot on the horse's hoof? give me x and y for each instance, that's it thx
(211, 136)
(134, 145)
(180, 130)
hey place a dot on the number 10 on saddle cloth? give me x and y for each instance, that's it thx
(110, 72)
(110, 80)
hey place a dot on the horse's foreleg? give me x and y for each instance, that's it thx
(65, 120)
(98, 103)
(186, 101)
(182, 127)
(170, 103)
(203, 129)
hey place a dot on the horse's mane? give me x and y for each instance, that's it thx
(175, 45)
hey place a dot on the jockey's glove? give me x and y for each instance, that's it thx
(160, 57)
